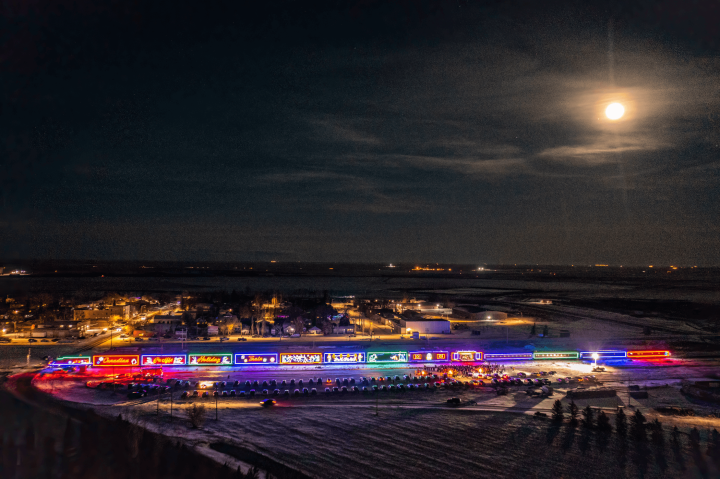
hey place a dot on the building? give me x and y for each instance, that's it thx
(87, 314)
(477, 313)
(494, 315)
(315, 331)
(424, 326)
(472, 313)
(344, 330)
(120, 311)
(168, 318)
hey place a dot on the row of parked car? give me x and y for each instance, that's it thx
(308, 391)
(517, 381)
(192, 388)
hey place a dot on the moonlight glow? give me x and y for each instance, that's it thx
(614, 111)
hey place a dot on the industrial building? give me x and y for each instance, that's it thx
(477, 313)
(494, 315)
(424, 326)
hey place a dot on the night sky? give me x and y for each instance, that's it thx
(361, 131)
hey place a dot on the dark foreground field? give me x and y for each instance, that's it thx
(45, 439)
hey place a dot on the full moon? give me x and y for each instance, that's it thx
(614, 111)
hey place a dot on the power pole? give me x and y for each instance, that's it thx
(216, 403)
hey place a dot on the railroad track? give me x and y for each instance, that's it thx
(93, 344)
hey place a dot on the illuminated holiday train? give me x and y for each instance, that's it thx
(341, 358)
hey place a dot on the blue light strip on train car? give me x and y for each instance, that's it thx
(603, 354)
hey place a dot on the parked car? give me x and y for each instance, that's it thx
(31, 340)
(242, 339)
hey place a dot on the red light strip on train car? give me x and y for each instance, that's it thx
(648, 354)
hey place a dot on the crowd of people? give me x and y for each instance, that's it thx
(467, 370)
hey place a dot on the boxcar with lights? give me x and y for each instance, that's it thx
(467, 356)
(648, 354)
(508, 356)
(428, 356)
(603, 354)
(300, 358)
(210, 359)
(248, 359)
(344, 358)
(164, 360)
(387, 357)
(71, 361)
(556, 355)
(116, 360)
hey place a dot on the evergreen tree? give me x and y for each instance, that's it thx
(588, 419)
(637, 426)
(573, 410)
(657, 432)
(603, 422)
(545, 331)
(621, 422)
(557, 411)
(713, 448)
(675, 437)
(695, 437)
(533, 331)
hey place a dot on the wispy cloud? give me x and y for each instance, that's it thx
(300, 176)
(337, 129)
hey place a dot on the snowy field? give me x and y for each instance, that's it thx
(415, 435)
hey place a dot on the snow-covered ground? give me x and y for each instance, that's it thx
(414, 434)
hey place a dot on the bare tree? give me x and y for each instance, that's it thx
(196, 415)
(299, 324)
